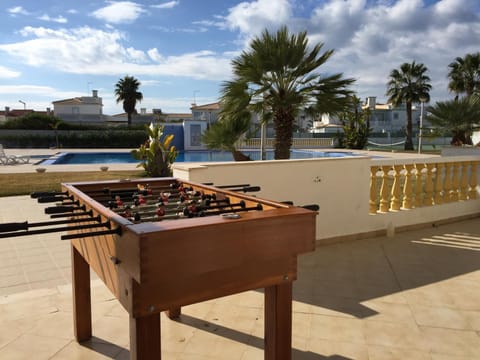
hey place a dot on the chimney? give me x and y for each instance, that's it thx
(95, 93)
(371, 102)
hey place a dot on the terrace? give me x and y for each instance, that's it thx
(395, 274)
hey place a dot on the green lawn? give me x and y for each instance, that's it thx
(25, 183)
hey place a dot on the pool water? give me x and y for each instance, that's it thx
(71, 158)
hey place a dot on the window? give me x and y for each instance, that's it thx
(195, 134)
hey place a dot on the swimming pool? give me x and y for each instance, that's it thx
(71, 158)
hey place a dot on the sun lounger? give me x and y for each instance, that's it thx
(12, 159)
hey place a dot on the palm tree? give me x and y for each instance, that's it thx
(279, 74)
(126, 90)
(459, 116)
(409, 84)
(234, 120)
(464, 75)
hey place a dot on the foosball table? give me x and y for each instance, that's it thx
(160, 244)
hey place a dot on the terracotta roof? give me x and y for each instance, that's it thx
(212, 106)
(18, 113)
(68, 101)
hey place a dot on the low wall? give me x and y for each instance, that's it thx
(340, 186)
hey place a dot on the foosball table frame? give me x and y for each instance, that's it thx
(159, 266)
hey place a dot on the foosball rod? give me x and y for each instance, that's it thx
(200, 211)
(258, 207)
(148, 210)
(56, 229)
(154, 204)
(17, 226)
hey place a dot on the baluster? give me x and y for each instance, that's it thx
(447, 184)
(455, 181)
(408, 187)
(396, 202)
(428, 200)
(439, 184)
(463, 194)
(384, 193)
(418, 185)
(373, 189)
(472, 194)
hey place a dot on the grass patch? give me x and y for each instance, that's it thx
(25, 183)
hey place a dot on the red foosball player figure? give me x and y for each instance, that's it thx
(141, 200)
(118, 201)
(164, 197)
(161, 211)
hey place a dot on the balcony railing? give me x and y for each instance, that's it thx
(412, 185)
(297, 143)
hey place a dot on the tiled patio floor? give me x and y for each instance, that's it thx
(412, 296)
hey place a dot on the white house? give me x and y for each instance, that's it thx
(86, 109)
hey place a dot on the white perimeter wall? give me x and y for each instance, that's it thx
(341, 187)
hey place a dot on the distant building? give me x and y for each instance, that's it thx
(145, 117)
(83, 109)
(384, 118)
(8, 113)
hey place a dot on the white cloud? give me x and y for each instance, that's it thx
(17, 10)
(253, 17)
(167, 5)
(59, 19)
(6, 73)
(119, 12)
(89, 51)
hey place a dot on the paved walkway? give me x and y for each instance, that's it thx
(412, 296)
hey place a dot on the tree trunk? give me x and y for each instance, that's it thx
(239, 156)
(283, 122)
(408, 130)
(129, 119)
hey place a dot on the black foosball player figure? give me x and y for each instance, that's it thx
(127, 213)
(191, 210)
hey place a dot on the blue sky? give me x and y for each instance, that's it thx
(181, 50)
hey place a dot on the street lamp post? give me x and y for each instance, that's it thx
(422, 102)
(24, 104)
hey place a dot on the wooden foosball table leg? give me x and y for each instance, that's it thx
(174, 313)
(278, 322)
(145, 343)
(82, 303)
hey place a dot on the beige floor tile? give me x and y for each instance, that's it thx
(443, 317)
(27, 347)
(13, 280)
(473, 318)
(63, 328)
(395, 335)
(389, 353)
(329, 349)
(450, 357)
(451, 342)
(14, 289)
(389, 312)
(337, 329)
(112, 330)
(91, 350)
